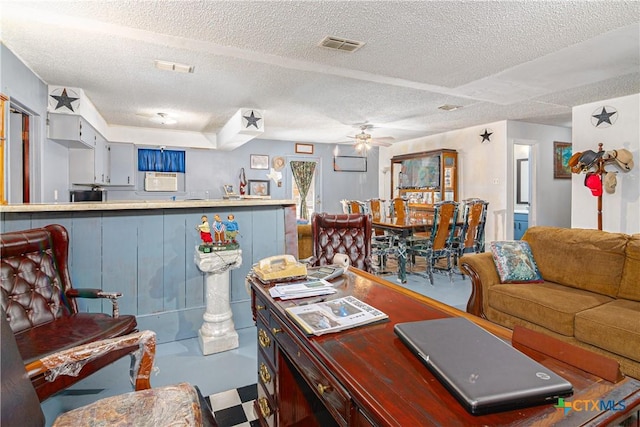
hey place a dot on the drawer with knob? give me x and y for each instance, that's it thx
(334, 396)
(266, 374)
(264, 408)
(266, 342)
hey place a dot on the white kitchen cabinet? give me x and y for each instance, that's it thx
(90, 167)
(71, 130)
(122, 163)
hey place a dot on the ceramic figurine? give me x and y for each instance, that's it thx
(205, 231)
(218, 230)
(231, 228)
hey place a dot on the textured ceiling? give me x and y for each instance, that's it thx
(517, 60)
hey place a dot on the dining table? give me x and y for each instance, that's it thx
(403, 229)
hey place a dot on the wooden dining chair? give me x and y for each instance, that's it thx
(382, 244)
(470, 237)
(438, 245)
(399, 210)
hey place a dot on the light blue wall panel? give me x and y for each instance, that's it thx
(148, 255)
(15, 222)
(85, 258)
(193, 283)
(120, 257)
(150, 262)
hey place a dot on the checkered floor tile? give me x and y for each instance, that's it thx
(234, 408)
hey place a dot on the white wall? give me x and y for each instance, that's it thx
(621, 210)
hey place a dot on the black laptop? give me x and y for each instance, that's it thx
(483, 372)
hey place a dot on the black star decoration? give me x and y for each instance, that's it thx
(604, 117)
(486, 136)
(252, 120)
(64, 100)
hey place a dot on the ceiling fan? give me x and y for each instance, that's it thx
(159, 118)
(364, 141)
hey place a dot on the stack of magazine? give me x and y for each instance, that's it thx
(313, 288)
(335, 315)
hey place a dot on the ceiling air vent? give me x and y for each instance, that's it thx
(338, 43)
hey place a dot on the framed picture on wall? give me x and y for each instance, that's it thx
(561, 155)
(258, 187)
(259, 161)
(304, 148)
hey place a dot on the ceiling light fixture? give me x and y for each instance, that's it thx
(363, 141)
(449, 107)
(163, 119)
(173, 66)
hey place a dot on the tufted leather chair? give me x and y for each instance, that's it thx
(342, 233)
(39, 302)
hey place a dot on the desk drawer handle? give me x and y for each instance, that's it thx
(265, 376)
(264, 407)
(276, 330)
(260, 307)
(264, 339)
(322, 388)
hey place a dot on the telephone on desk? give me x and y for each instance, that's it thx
(279, 268)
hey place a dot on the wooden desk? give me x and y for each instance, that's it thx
(366, 377)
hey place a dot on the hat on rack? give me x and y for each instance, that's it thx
(588, 159)
(610, 182)
(594, 182)
(573, 162)
(623, 158)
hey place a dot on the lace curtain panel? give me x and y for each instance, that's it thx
(303, 174)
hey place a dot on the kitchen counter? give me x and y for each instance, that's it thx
(118, 205)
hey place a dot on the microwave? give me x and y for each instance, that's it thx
(87, 196)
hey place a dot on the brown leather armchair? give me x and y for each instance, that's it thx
(348, 234)
(40, 305)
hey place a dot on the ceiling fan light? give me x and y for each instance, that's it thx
(163, 119)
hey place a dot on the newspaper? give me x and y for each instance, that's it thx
(335, 315)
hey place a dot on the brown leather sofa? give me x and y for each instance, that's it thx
(40, 305)
(590, 296)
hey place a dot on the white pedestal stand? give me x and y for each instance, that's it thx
(217, 333)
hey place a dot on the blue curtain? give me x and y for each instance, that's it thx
(161, 160)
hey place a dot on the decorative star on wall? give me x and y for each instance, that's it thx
(64, 100)
(486, 136)
(605, 117)
(252, 120)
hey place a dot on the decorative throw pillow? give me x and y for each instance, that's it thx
(514, 262)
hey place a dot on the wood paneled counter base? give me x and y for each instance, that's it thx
(366, 377)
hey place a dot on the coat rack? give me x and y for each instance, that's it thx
(586, 162)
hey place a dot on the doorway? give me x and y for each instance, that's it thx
(18, 152)
(314, 195)
(524, 185)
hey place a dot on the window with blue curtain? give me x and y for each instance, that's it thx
(150, 160)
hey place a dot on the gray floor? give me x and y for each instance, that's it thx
(182, 361)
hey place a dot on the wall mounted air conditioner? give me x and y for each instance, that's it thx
(161, 181)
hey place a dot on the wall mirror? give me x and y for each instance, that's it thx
(522, 181)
